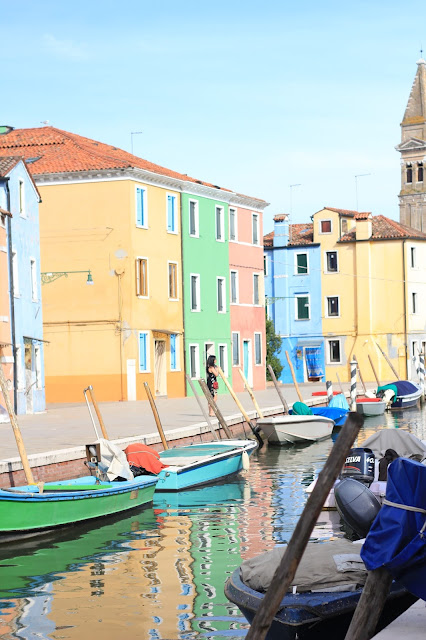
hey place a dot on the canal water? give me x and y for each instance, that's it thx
(159, 573)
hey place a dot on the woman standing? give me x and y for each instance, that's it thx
(212, 383)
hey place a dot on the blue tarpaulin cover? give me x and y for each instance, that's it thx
(313, 362)
(397, 538)
(336, 414)
(404, 387)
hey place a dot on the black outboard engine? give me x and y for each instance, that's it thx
(359, 465)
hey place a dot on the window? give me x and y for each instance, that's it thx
(332, 306)
(265, 264)
(194, 360)
(234, 287)
(255, 228)
(33, 280)
(334, 351)
(223, 358)
(19, 368)
(142, 277)
(302, 307)
(325, 226)
(414, 302)
(143, 351)
(420, 172)
(195, 292)
(220, 234)
(174, 352)
(235, 349)
(413, 257)
(171, 214)
(301, 263)
(414, 348)
(344, 225)
(221, 306)
(233, 225)
(257, 348)
(173, 281)
(194, 230)
(256, 298)
(21, 198)
(141, 210)
(409, 173)
(331, 261)
(15, 273)
(37, 361)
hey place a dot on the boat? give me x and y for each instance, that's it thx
(406, 393)
(314, 607)
(370, 406)
(197, 464)
(291, 429)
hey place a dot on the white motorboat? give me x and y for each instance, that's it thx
(290, 429)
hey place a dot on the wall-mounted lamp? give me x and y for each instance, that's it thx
(50, 276)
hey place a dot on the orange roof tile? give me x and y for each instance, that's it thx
(7, 163)
(386, 229)
(299, 235)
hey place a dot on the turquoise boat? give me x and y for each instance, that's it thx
(32, 508)
(199, 464)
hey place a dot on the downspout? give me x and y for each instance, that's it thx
(405, 308)
(12, 299)
(183, 289)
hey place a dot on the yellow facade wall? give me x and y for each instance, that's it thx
(93, 330)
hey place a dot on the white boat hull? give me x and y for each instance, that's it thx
(291, 429)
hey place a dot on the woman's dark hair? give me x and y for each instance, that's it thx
(210, 362)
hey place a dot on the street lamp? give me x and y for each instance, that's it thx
(50, 276)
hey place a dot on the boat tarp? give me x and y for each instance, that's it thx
(403, 442)
(397, 538)
(301, 409)
(339, 401)
(113, 461)
(403, 387)
(334, 413)
(328, 566)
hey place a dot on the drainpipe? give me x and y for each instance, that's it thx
(405, 307)
(182, 289)
(12, 298)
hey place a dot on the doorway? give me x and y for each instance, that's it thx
(247, 367)
(29, 375)
(160, 375)
(208, 351)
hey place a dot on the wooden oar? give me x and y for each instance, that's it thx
(251, 394)
(293, 376)
(370, 605)
(15, 425)
(278, 390)
(98, 413)
(388, 361)
(203, 411)
(360, 375)
(374, 371)
(215, 408)
(240, 406)
(156, 416)
(286, 570)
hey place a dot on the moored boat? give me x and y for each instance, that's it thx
(370, 406)
(406, 393)
(290, 429)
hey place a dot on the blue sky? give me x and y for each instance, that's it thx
(252, 96)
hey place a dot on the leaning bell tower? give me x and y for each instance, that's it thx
(412, 197)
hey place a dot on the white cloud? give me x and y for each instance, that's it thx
(65, 48)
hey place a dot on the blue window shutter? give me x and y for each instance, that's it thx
(142, 352)
(171, 213)
(140, 214)
(172, 351)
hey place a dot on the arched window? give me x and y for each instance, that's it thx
(420, 172)
(409, 174)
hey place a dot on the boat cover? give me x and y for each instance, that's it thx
(403, 442)
(334, 413)
(113, 461)
(339, 401)
(397, 538)
(403, 387)
(328, 566)
(301, 409)
(140, 455)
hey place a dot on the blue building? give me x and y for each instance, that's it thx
(20, 197)
(293, 297)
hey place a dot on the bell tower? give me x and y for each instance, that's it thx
(412, 197)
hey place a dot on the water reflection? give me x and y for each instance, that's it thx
(159, 572)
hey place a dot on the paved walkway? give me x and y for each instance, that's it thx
(67, 426)
(410, 625)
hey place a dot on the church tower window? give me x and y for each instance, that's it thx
(420, 172)
(409, 174)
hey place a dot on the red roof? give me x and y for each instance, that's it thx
(7, 163)
(386, 229)
(344, 212)
(364, 215)
(299, 234)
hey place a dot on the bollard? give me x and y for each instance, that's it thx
(353, 385)
(329, 387)
(422, 375)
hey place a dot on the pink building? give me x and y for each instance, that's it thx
(247, 294)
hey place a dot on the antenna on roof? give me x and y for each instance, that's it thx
(133, 133)
(291, 193)
(44, 122)
(360, 175)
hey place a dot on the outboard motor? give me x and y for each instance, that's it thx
(359, 464)
(357, 505)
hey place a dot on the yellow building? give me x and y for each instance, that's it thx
(116, 216)
(372, 278)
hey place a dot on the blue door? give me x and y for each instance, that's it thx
(246, 358)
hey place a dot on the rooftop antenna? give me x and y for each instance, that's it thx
(134, 133)
(360, 175)
(291, 192)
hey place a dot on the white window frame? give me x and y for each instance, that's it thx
(33, 277)
(256, 277)
(196, 218)
(221, 211)
(169, 263)
(147, 354)
(224, 365)
(21, 198)
(197, 307)
(326, 306)
(177, 353)
(257, 364)
(301, 253)
(222, 280)
(235, 224)
(138, 284)
(296, 306)
(20, 378)
(326, 261)
(37, 367)
(237, 297)
(325, 233)
(176, 218)
(196, 348)
(236, 333)
(255, 219)
(15, 271)
(329, 361)
(145, 207)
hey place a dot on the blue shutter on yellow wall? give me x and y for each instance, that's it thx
(171, 223)
(142, 352)
(140, 213)
(172, 351)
